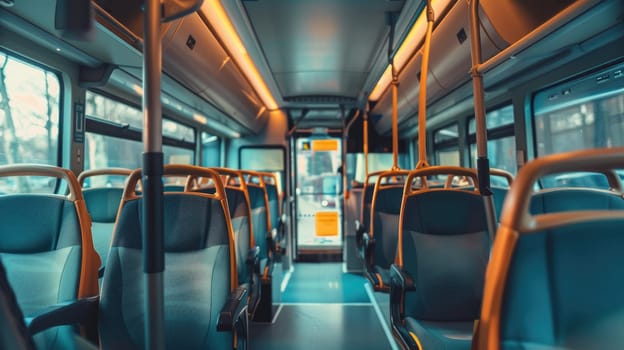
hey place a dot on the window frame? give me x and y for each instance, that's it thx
(590, 74)
(495, 133)
(124, 131)
(446, 145)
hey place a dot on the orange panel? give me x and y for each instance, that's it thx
(324, 145)
(326, 223)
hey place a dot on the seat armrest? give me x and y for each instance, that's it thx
(401, 279)
(367, 241)
(359, 233)
(268, 269)
(367, 248)
(253, 256)
(400, 282)
(82, 311)
(233, 309)
(274, 242)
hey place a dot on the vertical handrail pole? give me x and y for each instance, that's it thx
(152, 229)
(343, 154)
(395, 118)
(346, 132)
(366, 141)
(422, 96)
(483, 163)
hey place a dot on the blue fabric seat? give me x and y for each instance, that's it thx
(383, 235)
(260, 216)
(361, 225)
(564, 286)
(259, 222)
(13, 331)
(499, 194)
(274, 205)
(437, 283)
(49, 259)
(275, 215)
(200, 271)
(102, 204)
(499, 189)
(240, 215)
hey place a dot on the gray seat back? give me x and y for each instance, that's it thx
(200, 269)
(13, 332)
(444, 247)
(564, 285)
(385, 208)
(103, 205)
(49, 259)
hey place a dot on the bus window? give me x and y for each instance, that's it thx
(376, 162)
(270, 159)
(446, 145)
(211, 150)
(113, 136)
(587, 112)
(501, 140)
(29, 121)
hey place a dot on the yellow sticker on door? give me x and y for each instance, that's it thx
(326, 223)
(324, 145)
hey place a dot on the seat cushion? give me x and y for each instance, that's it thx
(43, 256)
(194, 295)
(441, 335)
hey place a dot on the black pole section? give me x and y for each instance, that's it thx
(153, 237)
(483, 174)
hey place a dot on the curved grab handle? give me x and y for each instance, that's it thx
(516, 214)
(250, 174)
(389, 174)
(449, 181)
(439, 170)
(369, 176)
(177, 170)
(615, 184)
(103, 171)
(226, 173)
(75, 192)
(272, 179)
(503, 173)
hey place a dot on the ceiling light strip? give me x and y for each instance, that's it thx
(408, 47)
(220, 22)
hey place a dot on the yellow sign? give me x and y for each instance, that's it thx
(326, 223)
(324, 145)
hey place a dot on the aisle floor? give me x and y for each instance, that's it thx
(322, 308)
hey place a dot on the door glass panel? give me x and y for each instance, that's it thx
(319, 193)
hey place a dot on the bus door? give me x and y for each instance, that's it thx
(319, 195)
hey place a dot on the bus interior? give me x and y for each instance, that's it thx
(311, 174)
